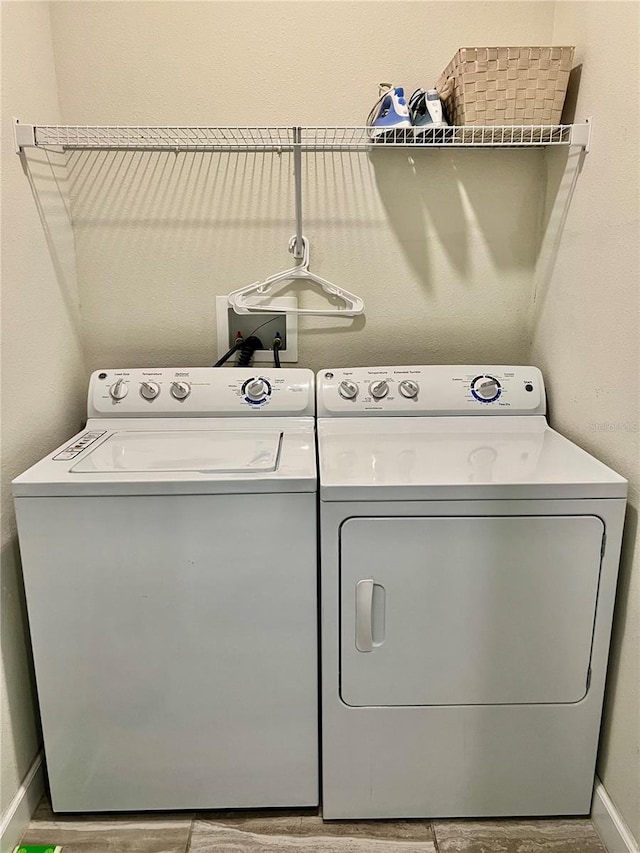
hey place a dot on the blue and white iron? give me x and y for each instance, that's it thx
(389, 119)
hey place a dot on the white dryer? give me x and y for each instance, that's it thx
(469, 556)
(170, 565)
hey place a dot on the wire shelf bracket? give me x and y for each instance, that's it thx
(24, 135)
(581, 135)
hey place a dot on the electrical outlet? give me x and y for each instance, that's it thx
(229, 323)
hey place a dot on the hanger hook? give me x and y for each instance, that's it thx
(305, 249)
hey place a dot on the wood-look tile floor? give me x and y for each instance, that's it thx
(302, 831)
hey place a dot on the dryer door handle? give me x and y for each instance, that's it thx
(364, 615)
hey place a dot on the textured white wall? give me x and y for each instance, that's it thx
(586, 331)
(442, 249)
(43, 375)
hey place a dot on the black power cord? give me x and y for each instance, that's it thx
(229, 353)
(277, 346)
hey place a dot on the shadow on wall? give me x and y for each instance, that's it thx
(563, 171)
(205, 203)
(620, 624)
(47, 174)
(186, 226)
(15, 643)
(446, 239)
(571, 99)
(460, 199)
(429, 195)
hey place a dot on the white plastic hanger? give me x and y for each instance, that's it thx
(243, 300)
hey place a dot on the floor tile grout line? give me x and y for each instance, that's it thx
(436, 846)
(190, 833)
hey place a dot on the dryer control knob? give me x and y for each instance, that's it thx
(180, 390)
(119, 390)
(149, 390)
(348, 390)
(408, 388)
(256, 389)
(379, 389)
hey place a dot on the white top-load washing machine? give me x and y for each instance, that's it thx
(469, 556)
(170, 566)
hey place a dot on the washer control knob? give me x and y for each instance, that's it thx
(149, 390)
(379, 389)
(256, 389)
(119, 390)
(408, 388)
(487, 387)
(180, 390)
(348, 390)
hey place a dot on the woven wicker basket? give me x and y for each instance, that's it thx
(506, 85)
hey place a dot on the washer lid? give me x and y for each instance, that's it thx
(205, 451)
(443, 458)
(169, 456)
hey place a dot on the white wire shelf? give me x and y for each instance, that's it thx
(346, 138)
(183, 138)
(165, 138)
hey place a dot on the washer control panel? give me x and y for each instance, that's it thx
(81, 443)
(430, 390)
(201, 392)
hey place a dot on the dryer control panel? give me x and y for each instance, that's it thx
(442, 390)
(201, 392)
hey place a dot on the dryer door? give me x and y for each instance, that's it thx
(468, 610)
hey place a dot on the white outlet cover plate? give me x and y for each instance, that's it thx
(260, 356)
